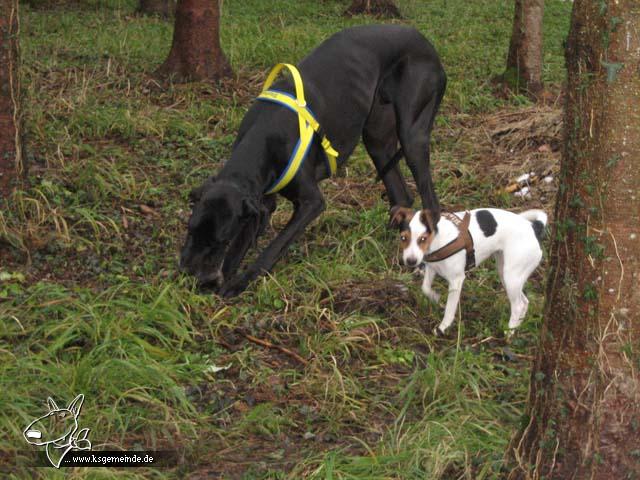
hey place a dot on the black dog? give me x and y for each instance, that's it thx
(383, 82)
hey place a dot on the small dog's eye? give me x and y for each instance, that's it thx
(403, 238)
(422, 239)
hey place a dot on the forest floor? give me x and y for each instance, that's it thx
(91, 301)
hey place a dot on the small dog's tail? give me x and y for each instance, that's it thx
(538, 219)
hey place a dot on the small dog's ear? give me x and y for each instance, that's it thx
(427, 219)
(398, 215)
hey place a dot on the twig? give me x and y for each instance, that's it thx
(268, 344)
(225, 344)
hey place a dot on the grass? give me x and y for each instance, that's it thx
(90, 300)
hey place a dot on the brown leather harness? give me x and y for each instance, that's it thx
(463, 241)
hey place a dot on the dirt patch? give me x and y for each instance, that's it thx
(384, 297)
(518, 151)
(348, 192)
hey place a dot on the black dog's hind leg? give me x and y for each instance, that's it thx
(381, 141)
(308, 205)
(416, 89)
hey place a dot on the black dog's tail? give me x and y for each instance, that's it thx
(538, 219)
(390, 164)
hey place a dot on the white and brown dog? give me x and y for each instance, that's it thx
(465, 239)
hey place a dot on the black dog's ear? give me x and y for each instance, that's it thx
(253, 215)
(196, 194)
(250, 207)
(427, 219)
(398, 215)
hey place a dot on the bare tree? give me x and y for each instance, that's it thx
(524, 62)
(10, 132)
(162, 8)
(583, 415)
(381, 8)
(196, 53)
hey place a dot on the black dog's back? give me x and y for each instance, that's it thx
(345, 80)
(379, 45)
(347, 73)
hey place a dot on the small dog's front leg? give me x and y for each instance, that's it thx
(429, 275)
(453, 297)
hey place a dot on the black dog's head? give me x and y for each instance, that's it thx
(220, 213)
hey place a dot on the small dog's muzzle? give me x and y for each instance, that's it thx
(411, 262)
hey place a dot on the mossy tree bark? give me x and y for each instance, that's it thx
(11, 166)
(380, 8)
(196, 54)
(583, 415)
(524, 62)
(162, 8)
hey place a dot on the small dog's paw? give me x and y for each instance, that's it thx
(508, 333)
(433, 296)
(438, 333)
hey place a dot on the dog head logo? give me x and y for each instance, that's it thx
(58, 431)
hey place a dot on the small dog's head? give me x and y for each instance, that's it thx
(417, 230)
(220, 211)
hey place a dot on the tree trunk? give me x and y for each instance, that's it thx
(583, 415)
(196, 54)
(524, 62)
(380, 8)
(10, 141)
(162, 8)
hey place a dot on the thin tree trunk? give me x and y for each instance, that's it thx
(162, 8)
(10, 133)
(583, 416)
(380, 8)
(524, 62)
(196, 53)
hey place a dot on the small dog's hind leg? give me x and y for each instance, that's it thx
(514, 278)
(525, 303)
(513, 286)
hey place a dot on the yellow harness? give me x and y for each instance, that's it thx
(306, 121)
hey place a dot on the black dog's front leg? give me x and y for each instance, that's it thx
(305, 211)
(247, 238)
(237, 250)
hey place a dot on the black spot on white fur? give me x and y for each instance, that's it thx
(538, 229)
(486, 222)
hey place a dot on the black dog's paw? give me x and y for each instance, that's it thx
(235, 286)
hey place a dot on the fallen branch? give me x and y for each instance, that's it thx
(268, 344)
